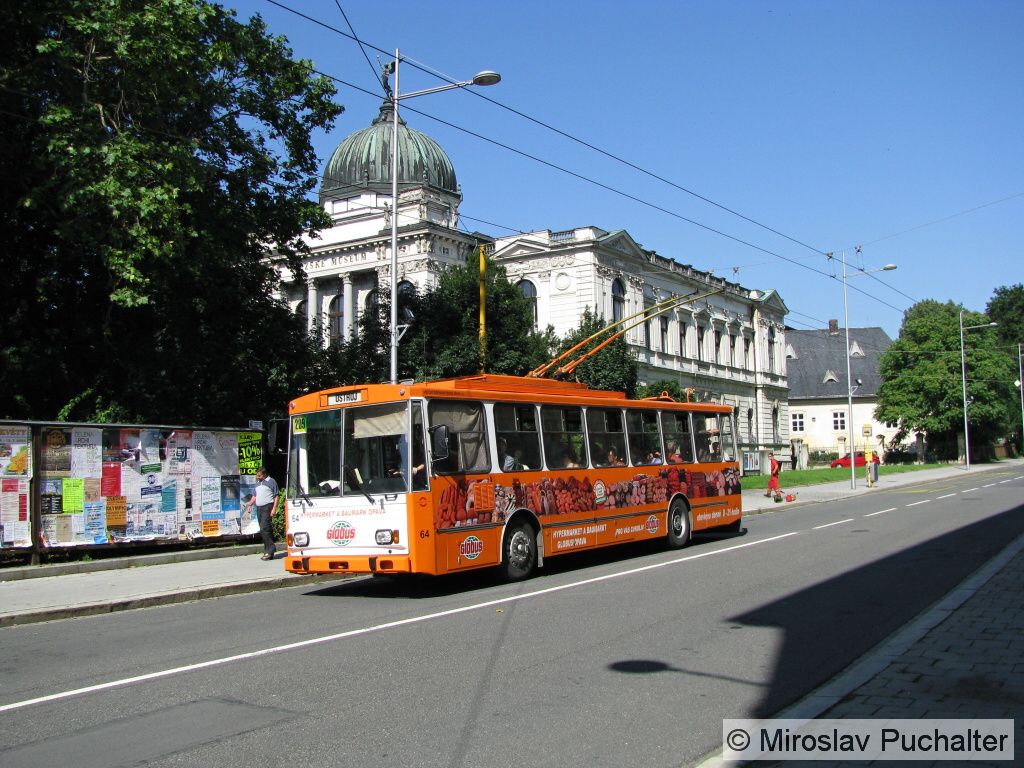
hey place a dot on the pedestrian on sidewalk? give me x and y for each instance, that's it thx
(264, 500)
(773, 481)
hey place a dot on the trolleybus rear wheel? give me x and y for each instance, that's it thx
(678, 524)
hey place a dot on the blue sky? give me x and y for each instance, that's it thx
(896, 126)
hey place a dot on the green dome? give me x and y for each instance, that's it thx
(363, 161)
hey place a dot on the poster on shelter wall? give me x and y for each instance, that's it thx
(179, 452)
(56, 452)
(15, 452)
(14, 522)
(86, 452)
(250, 452)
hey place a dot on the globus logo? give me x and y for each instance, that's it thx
(600, 492)
(341, 533)
(471, 547)
(652, 524)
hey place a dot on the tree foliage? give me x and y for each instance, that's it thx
(443, 338)
(152, 152)
(1006, 307)
(922, 385)
(613, 368)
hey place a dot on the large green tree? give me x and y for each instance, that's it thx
(1006, 307)
(922, 383)
(613, 367)
(152, 153)
(442, 338)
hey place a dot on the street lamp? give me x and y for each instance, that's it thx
(963, 380)
(481, 78)
(849, 379)
(1020, 386)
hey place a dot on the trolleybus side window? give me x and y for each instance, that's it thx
(516, 431)
(644, 437)
(607, 435)
(678, 439)
(467, 436)
(728, 443)
(314, 460)
(708, 437)
(564, 446)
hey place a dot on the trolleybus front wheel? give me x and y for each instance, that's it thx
(519, 556)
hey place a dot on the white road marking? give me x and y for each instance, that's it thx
(1008, 480)
(837, 522)
(948, 495)
(890, 509)
(969, 490)
(918, 502)
(988, 485)
(375, 628)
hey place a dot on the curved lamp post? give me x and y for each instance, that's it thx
(849, 379)
(481, 78)
(963, 381)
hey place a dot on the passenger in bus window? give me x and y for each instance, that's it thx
(653, 457)
(506, 460)
(519, 458)
(614, 460)
(672, 451)
(569, 461)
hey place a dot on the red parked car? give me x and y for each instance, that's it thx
(858, 461)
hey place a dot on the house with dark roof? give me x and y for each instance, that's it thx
(819, 410)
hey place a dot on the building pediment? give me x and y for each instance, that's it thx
(621, 243)
(521, 248)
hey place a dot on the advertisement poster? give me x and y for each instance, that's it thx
(96, 522)
(229, 489)
(179, 452)
(14, 524)
(225, 453)
(116, 512)
(74, 494)
(169, 497)
(15, 452)
(110, 480)
(250, 452)
(209, 494)
(56, 449)
(151, 480)
(86, 452)
(149, 441)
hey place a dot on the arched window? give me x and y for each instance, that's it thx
(529, 291)
(371, 301)
(618, 300)
(335, 321)
(771, 350)
(300, 311)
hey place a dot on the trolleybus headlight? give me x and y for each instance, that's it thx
(387, 537)
(301, 539)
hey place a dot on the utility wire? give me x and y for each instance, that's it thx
(356, 38)
(566, 170)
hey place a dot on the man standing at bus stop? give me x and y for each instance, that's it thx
(264, 500)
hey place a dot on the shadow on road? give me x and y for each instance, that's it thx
(828, 626)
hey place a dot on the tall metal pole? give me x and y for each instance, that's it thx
(394, 226)
(849, 382)
(1020, 372)
(963, 380)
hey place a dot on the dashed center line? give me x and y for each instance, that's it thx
(988, 485)
(882, 512)
(948, 495)
(837, 522)
(969, 490)
(918, 502)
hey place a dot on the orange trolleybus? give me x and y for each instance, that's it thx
(498, 471)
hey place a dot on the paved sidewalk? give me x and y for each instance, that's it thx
(104, 586)
(963, 658)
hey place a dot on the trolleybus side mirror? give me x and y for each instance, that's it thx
(439, 442)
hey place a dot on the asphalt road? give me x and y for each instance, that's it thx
(629, 657)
